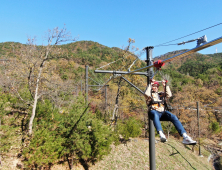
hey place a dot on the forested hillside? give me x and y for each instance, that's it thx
(66, 128)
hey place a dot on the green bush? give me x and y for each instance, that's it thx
(76, 133)
(215, 126)
(168, 127)
(64, 77)
(9, 128)
(130, 128)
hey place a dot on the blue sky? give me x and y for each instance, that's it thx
(112, 22)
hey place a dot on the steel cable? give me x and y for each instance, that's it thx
(186, 36)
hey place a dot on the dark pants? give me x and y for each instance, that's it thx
(166, 116)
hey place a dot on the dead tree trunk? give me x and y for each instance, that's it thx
(35, 97)
(115, 111)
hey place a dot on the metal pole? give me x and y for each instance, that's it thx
(133, 85)
(96, 85)
(81, 85)
(119, 72)
(76, 90)
(152, 156)
(0, 152)
(105, 97)
(86, 85)
(198, 124)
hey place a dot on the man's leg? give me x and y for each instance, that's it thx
(168, 116)
(155, 116)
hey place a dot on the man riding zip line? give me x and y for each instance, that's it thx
(157, 105)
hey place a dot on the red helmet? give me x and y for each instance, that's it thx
(155, 82)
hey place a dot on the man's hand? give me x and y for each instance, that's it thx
(164, 83)
(152, 81)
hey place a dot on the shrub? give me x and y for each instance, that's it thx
(64, 77)
(130, 128)
(10, 129)
(76, 133)
(215, 127)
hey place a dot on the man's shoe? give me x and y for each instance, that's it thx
(163, 138)
(188, 141)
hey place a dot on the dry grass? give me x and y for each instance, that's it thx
(170, 155)
(135, 155)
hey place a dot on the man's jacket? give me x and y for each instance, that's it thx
(156, 99)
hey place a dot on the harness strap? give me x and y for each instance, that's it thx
(163, 102)
(157, 102)
(152, 103)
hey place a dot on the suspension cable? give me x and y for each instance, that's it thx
(186, 36)
(96, 77)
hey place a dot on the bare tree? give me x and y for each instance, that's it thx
(35, 59)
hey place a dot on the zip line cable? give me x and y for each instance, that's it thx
(123, 57)
(137, 58)
(186, 36)
(94, 80)
(112, 62)
(133, 63)
(97, 78)
(117, 59)
(165, 45)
